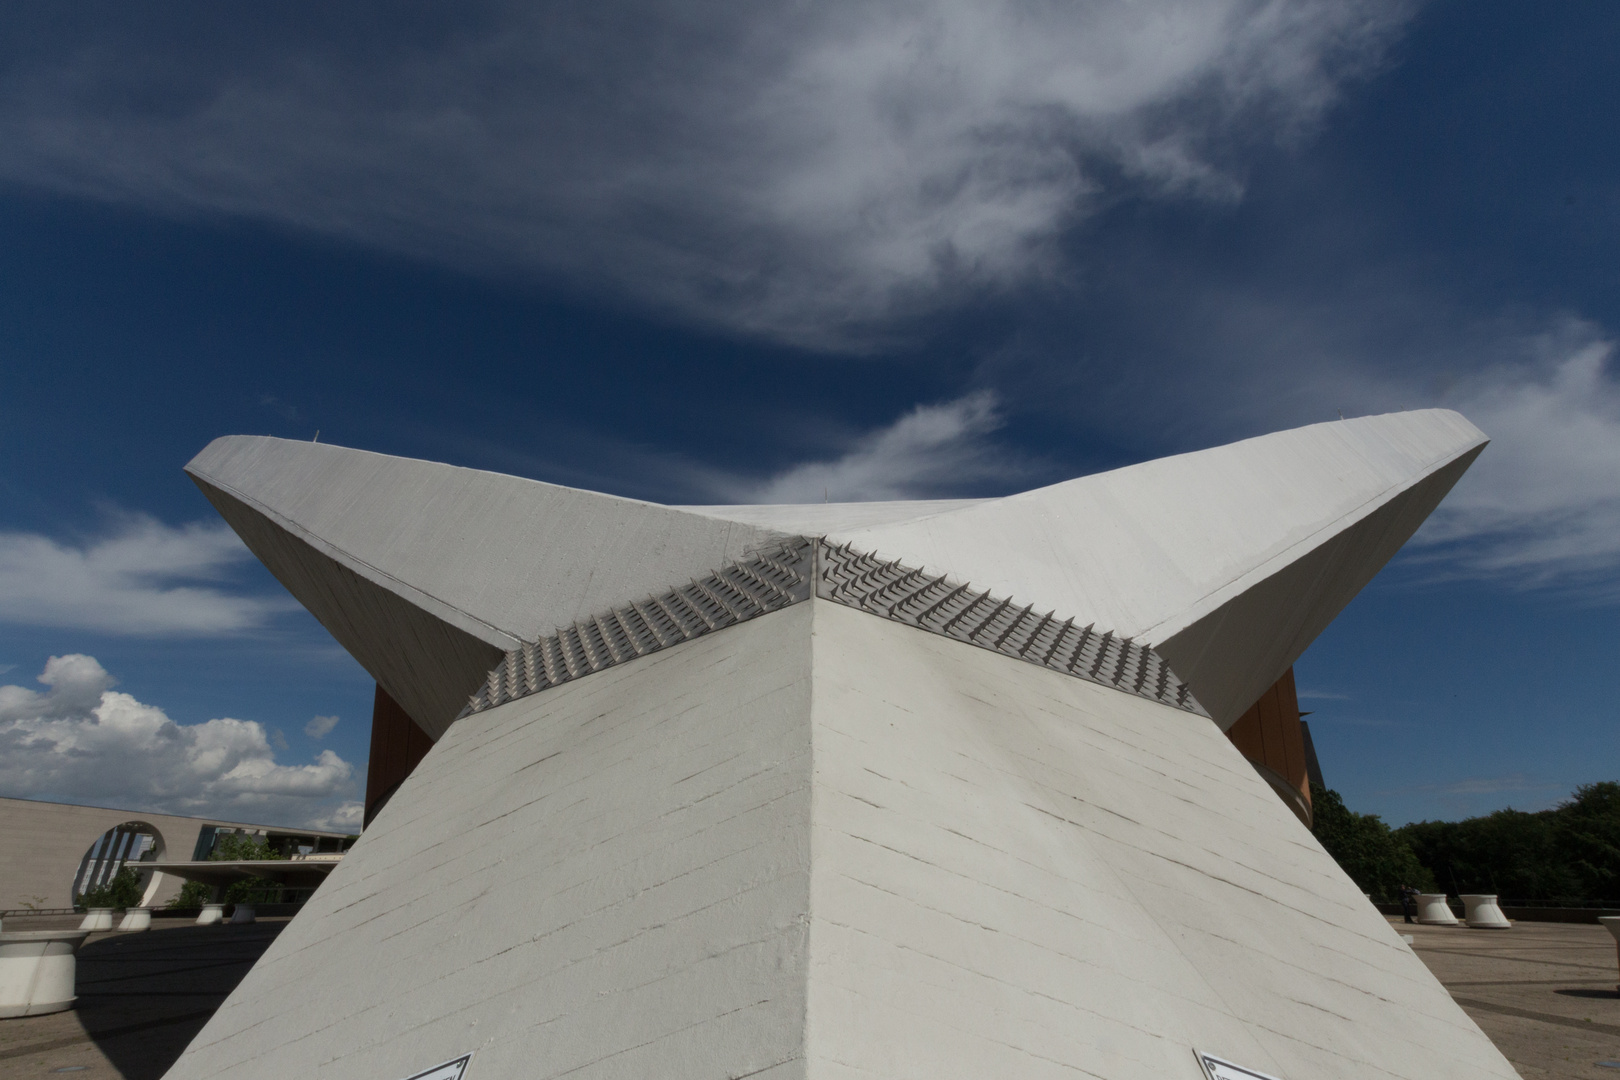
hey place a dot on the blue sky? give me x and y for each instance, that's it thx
(739, 252)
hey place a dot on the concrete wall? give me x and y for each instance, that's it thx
(43, 843)
(608, 879)
(824, 844)
(1022, 874)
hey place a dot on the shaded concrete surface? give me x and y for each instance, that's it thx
(1544, 992)
(142, 998)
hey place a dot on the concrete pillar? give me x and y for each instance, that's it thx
(243, 914)
(1480, 911)
(136, 918)
(98, 918)
(38, 970)
(1613, 923)
(211, 914)
(1434, 911)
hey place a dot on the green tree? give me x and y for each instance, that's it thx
(1589, 838)
(193, 894)
(1374, 857)
(122, 890)
(246, 847)
(1567, 855)
(242, 847)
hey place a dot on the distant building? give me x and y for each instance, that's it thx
(50, 853)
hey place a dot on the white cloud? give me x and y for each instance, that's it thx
(144, 578)
(1541, 506)
(345, 817)
(807, 171)
(81, 741)
(931, 451)
(320, 727)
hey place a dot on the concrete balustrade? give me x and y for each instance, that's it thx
(136, 919)
(1480, 912)
(244, 913)
(98, 918)
(38, 969)
(1434, 911)
(211, 914)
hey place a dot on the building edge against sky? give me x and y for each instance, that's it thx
(1123, 888)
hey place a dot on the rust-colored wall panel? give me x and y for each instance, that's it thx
(397, 745)
(1269, 734)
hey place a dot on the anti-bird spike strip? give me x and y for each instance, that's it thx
(772, 580)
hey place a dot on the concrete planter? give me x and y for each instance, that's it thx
(136, 919)
(243, 914)
(1434, 911)
(211, 914)
(1480, 911)
(1612, 922)
(37, 971)
(98, 918)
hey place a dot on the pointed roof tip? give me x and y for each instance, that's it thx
(1165, 551)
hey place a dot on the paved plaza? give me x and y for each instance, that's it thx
(142, 997)
(1544, 992)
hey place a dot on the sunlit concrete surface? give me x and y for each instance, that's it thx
(141, 999)
(821, 843)
(820, 834)
(1544, 992)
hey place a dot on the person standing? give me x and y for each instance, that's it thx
(1409, 897)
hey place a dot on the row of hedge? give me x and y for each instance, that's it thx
(1567, 856)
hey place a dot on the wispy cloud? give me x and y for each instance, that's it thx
(933, 451)
(806, 171)
(1475, 795)
(1322, 695)
(1490, 785)
(143, 577)
(81, 741)
(1542, 505)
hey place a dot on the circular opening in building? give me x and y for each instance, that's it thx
(110, 873)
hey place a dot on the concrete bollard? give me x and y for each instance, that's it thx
(1480, 912)
(136, 919)
(211, 914)
(38, 970)
(243, 914)
(98, 918)
(1434, 911)
(1613, 923)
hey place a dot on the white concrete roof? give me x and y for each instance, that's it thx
(1228, 562)
(426, 573)
(824, 844)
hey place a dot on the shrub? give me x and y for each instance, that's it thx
(122, 890)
